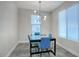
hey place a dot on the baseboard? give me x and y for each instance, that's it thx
(9, 53)
(68, 49)
(23, 42)
(15, 47)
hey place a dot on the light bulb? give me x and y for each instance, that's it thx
(35, 11)
(44, 17)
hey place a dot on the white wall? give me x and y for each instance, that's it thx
(25, 27)
(8, 27)
(67, 44)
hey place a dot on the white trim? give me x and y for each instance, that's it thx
(22, 41)
(9, 53)
(68, 49)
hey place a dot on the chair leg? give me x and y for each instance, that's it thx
(30, 50)
(48, 52)
(40, 52)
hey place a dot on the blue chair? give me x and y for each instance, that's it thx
(50, 35)
(37, 33)
(32, 45)
(44, 44)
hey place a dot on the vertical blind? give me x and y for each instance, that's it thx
(62, 24)
(69, 23)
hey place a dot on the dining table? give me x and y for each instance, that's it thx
(38, 39)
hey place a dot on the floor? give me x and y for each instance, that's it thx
(22, 50)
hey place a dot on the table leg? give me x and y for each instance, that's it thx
(55, 47)
(30, 50)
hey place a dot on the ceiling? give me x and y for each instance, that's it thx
(47, 6)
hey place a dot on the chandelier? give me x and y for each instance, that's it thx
(38, 12)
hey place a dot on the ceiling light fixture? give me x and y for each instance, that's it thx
(44, 18)
(39, 11)
(35, 11)
(39, 7)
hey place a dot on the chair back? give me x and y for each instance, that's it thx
(37, 33)
(50, 36)
(29, 37)
(45, 43)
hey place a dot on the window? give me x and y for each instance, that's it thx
(68, 23)
(72, 17)
(35, 21)
(62, 24)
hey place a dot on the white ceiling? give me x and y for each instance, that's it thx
(34, 5)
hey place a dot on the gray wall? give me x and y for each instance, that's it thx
(25, 23)
(8, 27)
(67, 44)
